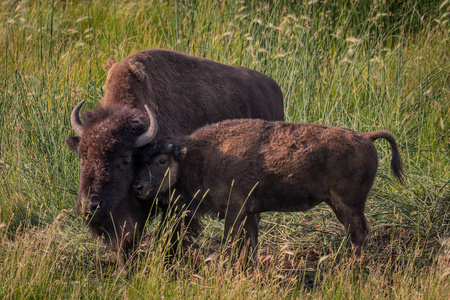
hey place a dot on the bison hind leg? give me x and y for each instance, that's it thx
(351, 215)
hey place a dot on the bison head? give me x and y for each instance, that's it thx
(159, 172)
(106, 144)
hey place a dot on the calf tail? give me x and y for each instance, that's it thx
(396, 161)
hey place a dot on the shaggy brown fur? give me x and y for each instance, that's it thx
(184, 93)
(275, 166)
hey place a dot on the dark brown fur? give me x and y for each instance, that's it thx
(184, 93)
(275, 166)
(108, 164)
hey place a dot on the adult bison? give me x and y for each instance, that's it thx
(185, 93)
(240, 168)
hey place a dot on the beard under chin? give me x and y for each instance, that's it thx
(95, 219)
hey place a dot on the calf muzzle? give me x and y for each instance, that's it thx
(138, 189)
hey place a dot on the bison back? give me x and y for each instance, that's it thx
(186, 92)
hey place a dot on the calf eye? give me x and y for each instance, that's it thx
(126, 161)
(162, 161)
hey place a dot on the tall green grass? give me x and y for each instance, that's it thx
(358, 64)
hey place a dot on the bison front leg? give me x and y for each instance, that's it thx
(124, 235)
(127, 242)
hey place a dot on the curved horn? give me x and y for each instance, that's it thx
(150, 134)
(75, 119)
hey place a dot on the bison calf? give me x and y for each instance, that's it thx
(275, 166)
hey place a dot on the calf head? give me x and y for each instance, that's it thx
(159, 172)
(106, 144)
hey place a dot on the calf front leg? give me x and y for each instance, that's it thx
(250, 235)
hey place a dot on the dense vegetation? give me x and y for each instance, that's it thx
(366, 65)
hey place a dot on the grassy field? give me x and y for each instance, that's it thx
(357, 64)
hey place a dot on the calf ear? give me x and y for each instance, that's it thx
(72, 142)
(180, 153)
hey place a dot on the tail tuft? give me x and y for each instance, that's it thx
(396, 161)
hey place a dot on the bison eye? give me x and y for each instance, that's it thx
(162, 161)
(125, 159)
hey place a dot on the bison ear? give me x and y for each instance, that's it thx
(72, 142)
(109, 63)
(180, 153)
(137, 69)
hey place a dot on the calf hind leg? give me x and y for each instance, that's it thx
(358, 229)
(354, 221)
